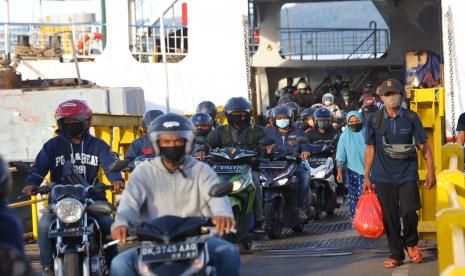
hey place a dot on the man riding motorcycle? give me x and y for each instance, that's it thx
(286, 137)
(141, 146)
(209, 108)
(306, 118)
(174, 183)
(203, 124)
(73, 143)
(241, 133)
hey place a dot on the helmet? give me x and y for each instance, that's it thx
(328, 97)
(203, 123)
(301, 85)
(323, 118)
(5, 177)
(345, 92)
(268, 116)
(284, 100)
(308, 112)
(295, 108)
(317, 106)
(149, 116)
(237, 104)
(171, 124)
(76, 109)
(282, 110)
(207, 107)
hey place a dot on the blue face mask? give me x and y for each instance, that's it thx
(282, 123)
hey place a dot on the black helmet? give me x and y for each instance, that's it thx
(282, 110)
(323, 118)
(5, 177)
(308, 112)
(149, 116)
(238, 104)
(171, 124)
(207, 107)
(203, 123)
(295, 108)
(284, 100)
(345, 92)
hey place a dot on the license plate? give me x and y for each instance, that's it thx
(69, 232)
(316, 162)
(273, 165)
(169, 252)
(227, 169)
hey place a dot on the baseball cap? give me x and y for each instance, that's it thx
(391, 85)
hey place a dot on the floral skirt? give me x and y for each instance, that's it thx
(355, 185)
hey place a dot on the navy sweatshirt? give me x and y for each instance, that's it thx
(11, 232)
(140, 146)
(86, 157)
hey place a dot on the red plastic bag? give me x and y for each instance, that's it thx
(368, 216)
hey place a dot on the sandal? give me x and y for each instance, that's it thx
(392, 263)
(414, 253)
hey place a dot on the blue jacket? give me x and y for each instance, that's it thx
(140, 146)
(86, 157)
(282, 142)
(12, 231)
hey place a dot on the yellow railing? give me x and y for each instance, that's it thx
(451, 213)
(35, 216)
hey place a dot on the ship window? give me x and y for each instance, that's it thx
(336, 30)
(147, 30)
(45, 29)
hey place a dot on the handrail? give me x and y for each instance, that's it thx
(451, 212)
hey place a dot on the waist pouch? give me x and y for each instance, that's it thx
(399, 151)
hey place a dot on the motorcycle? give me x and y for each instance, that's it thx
(74, 230)
(323, 183)
(279, 194)
(234, 165)
(172, 245)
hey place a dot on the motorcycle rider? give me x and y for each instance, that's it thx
(74, 144)
(174, 183)
(303, 95)
(209, 108)
(286, 137)
(141, 146)
(347, 102)
(241, 133)
(324, 131)
(306, 117)
(203, 124)
(329, 103)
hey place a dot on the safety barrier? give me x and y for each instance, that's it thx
(451, 212)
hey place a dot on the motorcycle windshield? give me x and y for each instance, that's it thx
(60, 191)
(171, 228)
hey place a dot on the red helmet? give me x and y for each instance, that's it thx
(76, 109)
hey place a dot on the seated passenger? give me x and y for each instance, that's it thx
(203, 124)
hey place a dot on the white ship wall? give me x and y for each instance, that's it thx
(213, 70)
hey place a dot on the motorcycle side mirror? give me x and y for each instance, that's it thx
(220, 190)
(22, 167)
(267, 141)
(118, 165)
(101, 208)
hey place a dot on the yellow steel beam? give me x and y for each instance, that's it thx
(108, 120)
(451, 248)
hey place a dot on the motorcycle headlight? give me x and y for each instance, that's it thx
(283, 181)
(69, 210)
(236, 185)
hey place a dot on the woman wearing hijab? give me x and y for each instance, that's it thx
(350, 154)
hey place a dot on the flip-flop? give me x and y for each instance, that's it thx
(414, 254)
(392, 263)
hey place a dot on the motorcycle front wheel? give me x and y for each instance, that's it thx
(273, 218)
(72, 265)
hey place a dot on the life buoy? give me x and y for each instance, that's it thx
(86, 38)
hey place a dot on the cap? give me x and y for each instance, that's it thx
(391, 85)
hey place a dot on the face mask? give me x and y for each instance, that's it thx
(356, 127)
(201, 132)
(73, 130)
(173, 154)
(392, 101)
(346, 98)
(240, 121)
(303, 91)
(327, 102)
(282, 123)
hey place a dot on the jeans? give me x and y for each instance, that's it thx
(303, 187)
(45, 244)
(223, 256)
(258, 201)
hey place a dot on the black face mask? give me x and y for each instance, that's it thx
(173, 154)
(73, 130)
(356, 127)
(240, 121)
